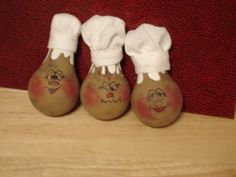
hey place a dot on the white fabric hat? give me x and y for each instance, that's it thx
(105, 36)
(148, 47)
(65, 29)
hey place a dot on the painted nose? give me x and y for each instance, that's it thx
(54, 77)
(109, 95)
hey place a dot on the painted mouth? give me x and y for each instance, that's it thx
(159, 109)
(53, 90)
(111, 100)
(54, 83)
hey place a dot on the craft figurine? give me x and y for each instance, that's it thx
(54, 88)
(156, 99)
(105, 91)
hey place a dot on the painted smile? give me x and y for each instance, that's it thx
(53, 90)
(111, 100)
(159, 109)
(54, 85)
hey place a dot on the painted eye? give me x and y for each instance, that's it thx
(151, 95)
(113, 86)
(56, 77)
(160, 93)
(49, 74)
(105, 85)
(59, 74)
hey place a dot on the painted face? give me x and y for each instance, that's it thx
(105, 96)
(110, 92)
(54, 80)
(157, 100)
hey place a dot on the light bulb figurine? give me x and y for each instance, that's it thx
(105, 92)
(54, 88)
(156, 99)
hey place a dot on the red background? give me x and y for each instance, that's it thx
(202, 55)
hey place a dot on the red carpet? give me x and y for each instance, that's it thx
(202, 56)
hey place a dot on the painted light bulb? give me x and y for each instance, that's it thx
(105, 92)
(54, 88)
(156, 99)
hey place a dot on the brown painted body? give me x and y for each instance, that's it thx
(106, 96)
(157, 103)
(54, 88)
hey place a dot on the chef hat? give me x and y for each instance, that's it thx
(148, 47)
(105, 36)
(65, 29)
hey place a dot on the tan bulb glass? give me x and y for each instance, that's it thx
(54, 88)
(105, 96)
(157, 103)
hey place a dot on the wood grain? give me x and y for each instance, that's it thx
(77, 145)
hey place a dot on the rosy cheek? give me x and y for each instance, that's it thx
(143, 109)
(70, 87)
(174, 97)
(91, 96)
(36, 87)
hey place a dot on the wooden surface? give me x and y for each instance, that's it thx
(77, 145)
